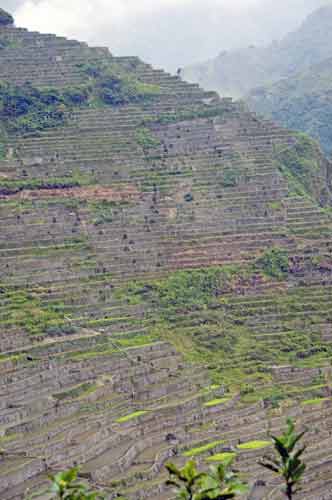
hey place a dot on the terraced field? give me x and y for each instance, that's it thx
(165, 279)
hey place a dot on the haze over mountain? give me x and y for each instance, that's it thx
(197, 30)
(236, 72)
(301, 102)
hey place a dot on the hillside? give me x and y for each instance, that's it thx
(165, 284)
(236, 72)
(302, 102)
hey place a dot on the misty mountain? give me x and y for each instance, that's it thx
(302, 102)
(197, 29)
(236, 72)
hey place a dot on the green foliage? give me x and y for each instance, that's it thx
(65, 486)
(76, 392)
(2, 149)
(25, 310)
(189, 290)
(300, 163)
(28, 109)
(274, 263)
(229, 178)
(178, 116)
(114, 86)
(219, 483)
(302, 102)
(12, 186)
(8, 43)
(5, 18)
(102, 211)
(287, 463)
(145, 139)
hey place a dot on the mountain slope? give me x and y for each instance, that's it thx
(236, 72)
(165, 274)
(302, 102)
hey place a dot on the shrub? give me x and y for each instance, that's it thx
(219, 483)
(114, 86)
(27, 109)
(229, 178)
(65, 486)
(145, 139)
(274, 262)
(5, 18)
(288, 463)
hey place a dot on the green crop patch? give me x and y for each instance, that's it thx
(220, 457)
(131, 416)
(188, 115)
(216, 402)
(25, 310)
(254, 445)
(202, 449)
(80, 391)
(314, 401)
(198, 312)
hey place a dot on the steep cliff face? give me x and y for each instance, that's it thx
(165, 273)
(235, 73)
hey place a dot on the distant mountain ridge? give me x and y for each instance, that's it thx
(302, 102)
(236, 72)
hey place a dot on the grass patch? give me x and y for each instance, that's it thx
(254, 445)
(26, 311)
(315, 401)
(215, 402)
(81, 390)
(220, 457)
(202, 449)
(203, 112)
(131, 416)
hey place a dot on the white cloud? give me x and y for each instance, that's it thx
(170, 33)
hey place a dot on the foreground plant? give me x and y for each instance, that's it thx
(287, 464)
(219, 483)
(65, 485)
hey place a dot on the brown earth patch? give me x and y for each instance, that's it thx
(119, 194)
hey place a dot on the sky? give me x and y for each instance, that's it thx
(166, 33)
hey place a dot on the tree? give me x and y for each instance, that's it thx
(65, 485)
(288, 463)
(5, 18)
(219, 483)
